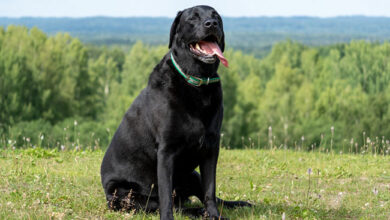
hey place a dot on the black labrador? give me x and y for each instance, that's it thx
(173, 126)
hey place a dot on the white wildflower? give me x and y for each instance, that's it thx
(375, 191)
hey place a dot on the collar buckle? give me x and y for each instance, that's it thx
(195, 81)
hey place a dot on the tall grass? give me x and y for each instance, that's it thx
(74, 135)
(370, 145)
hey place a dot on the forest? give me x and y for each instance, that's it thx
(56, 90)
(252, 35)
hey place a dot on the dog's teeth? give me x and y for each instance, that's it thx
(197, 47)
(200, 49)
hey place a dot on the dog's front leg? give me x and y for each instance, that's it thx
(165, 161)
(208, 172)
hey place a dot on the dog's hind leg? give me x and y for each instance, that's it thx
(123, 196)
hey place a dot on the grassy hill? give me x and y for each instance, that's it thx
(42, 184)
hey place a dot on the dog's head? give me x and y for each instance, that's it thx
(198, 32)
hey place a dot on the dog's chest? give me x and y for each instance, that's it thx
(194, 133)
(206, 101)
(194, 113)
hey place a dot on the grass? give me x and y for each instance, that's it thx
(50, 184)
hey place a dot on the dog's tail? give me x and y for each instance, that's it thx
(233, 204)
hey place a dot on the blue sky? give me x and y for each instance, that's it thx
(127, 8)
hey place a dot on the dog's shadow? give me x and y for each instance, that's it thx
(195, 210)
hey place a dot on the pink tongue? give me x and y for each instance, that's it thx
(212, 48)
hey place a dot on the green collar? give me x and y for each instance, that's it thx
(193, 80)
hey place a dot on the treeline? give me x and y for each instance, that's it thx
(254, 35)
(349, 25)
(57, 92)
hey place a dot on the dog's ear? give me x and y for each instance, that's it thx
(223, 43)
(173, 28)
(223, 35)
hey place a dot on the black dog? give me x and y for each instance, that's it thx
(173, 126)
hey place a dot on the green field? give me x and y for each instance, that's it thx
(51, 184)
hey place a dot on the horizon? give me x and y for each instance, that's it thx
(171, 17)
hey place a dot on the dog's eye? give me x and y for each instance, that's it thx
(195, 16)
(216, 15)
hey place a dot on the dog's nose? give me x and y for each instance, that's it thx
(210, 23)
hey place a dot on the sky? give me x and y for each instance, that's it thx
(169, 8)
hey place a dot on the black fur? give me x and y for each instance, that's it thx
(170, 129)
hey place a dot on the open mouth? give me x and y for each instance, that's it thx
(207, 50)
